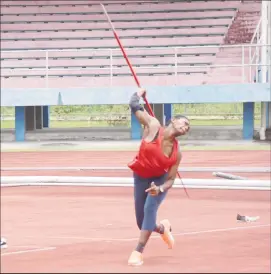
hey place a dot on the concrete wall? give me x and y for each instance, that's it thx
(30, 117)
(231, 93)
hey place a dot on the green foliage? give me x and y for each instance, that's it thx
(188, 109)
(67, 112)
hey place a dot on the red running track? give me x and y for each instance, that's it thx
(121, 158)
(83, 229)
(94, 230)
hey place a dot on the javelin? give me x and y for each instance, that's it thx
(127, 59)
(134, 74)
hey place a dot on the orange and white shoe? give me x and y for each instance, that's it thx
(167, 235)
(136, 259)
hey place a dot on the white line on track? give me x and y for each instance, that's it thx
(27, 251)
(175, 234)
(27, 246)
(221, 230)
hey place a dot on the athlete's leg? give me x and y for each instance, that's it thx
(140, 196)
(151, 206)
(164, 228)
(149, 212)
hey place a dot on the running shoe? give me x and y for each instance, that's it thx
(136, 259)
(167, 235)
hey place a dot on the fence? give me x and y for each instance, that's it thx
(246, 60)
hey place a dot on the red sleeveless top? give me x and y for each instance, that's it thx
(151, 161)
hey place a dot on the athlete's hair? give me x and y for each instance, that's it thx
(178, 116)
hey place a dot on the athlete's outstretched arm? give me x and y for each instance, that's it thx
(141, 114)
(172, 173)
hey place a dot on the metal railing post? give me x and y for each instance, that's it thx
(250, 67)
(47, 65)
(257, 61)
(256, 31)
(175, 64)
(111, 67)
(243, 63)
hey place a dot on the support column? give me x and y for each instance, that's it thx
(248, 120)
(168, 112)
(19, 124)
(30, 120)
(163, 112)
(39, 117)
(152, 107)
(45, 116)
(264, 60)
(263, 120)
(268, 120)
(136, 129)
(159, 113)
(269, 114)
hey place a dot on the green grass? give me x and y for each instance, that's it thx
(75, 124)
(188, 109)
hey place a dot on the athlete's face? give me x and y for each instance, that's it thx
(181, 125)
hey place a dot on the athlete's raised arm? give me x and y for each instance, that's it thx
(141, 114)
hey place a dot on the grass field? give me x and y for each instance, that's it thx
(187, 109)
(75, 124)
(68, 113)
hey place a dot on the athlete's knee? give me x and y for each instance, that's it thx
(150, 208)
(150, 213)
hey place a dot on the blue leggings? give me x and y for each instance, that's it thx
(146, 206)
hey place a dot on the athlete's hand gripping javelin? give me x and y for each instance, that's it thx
(141, 92)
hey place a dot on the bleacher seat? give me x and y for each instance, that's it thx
(81, 27)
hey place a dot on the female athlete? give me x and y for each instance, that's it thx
(154, 169)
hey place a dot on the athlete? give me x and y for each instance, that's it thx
(154, 170)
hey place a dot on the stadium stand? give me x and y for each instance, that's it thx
(240, 32)
(80, 28)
